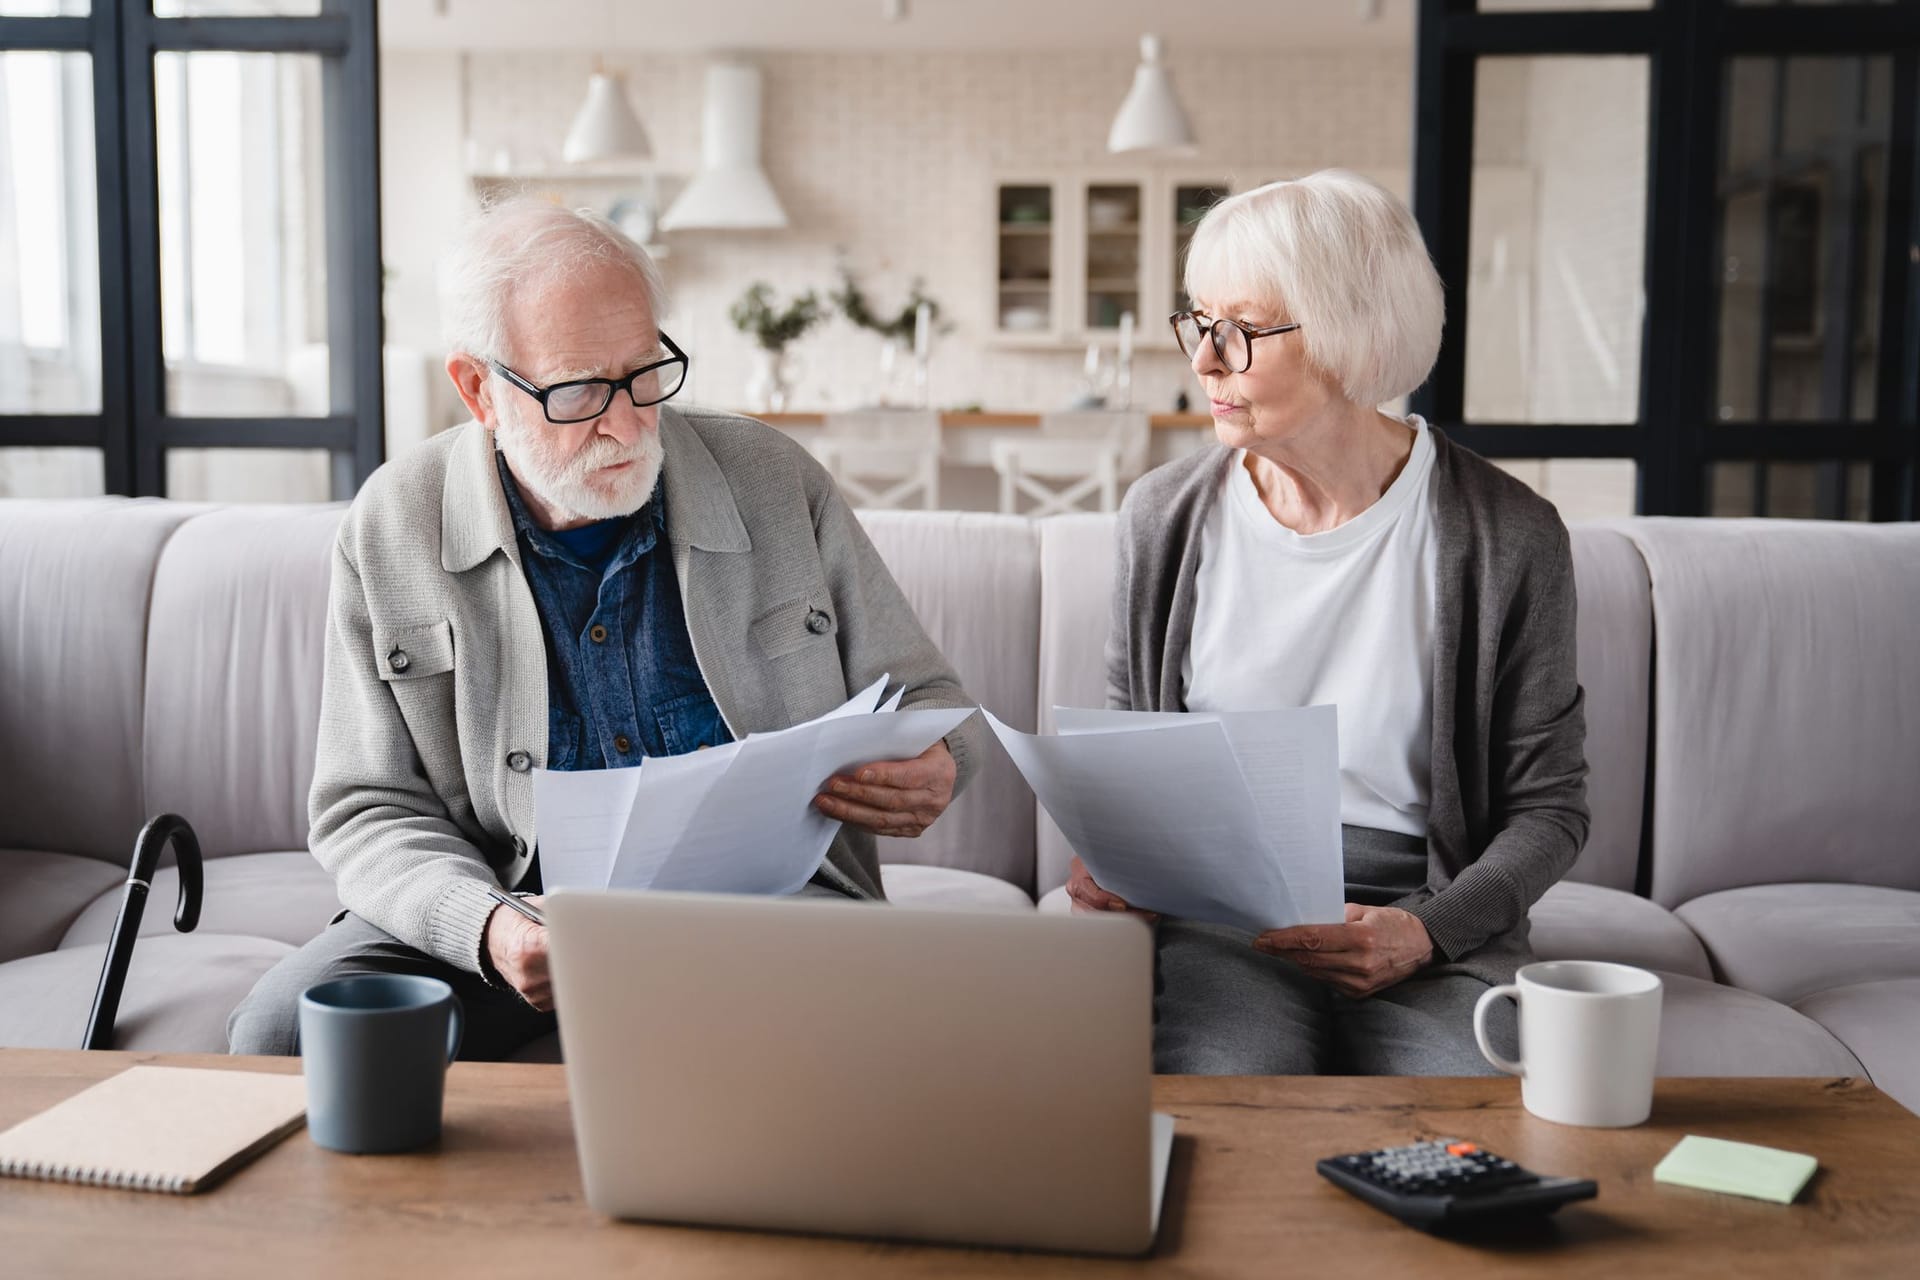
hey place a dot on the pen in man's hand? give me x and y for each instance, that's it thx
(526, 909)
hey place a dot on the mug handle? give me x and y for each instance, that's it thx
(456, 1027)
(1480, 1008)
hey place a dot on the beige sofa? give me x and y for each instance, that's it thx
(1753, 698)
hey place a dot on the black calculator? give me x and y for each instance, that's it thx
(1448, 1183)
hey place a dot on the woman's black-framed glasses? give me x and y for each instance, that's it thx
(583, 400)
(1232, 341)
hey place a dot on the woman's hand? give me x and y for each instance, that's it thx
(893, 797)
(1088, 897)
(1374, 949)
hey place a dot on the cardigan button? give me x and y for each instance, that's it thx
(519, 847)
(519, 761)
(399, 660)
(818, 622)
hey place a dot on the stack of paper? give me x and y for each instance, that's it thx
(737, 818)
(1232, 818)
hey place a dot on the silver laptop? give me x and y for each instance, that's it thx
(862, 1070)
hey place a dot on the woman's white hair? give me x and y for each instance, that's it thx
(521, 240)
(1345, 261)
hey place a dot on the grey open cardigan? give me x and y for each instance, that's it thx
(1508, 811)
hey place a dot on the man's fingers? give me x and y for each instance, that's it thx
(881, 795)
(886, 822)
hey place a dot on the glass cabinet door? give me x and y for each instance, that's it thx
(1024, 302)
(1191, 200)
(1113, 253)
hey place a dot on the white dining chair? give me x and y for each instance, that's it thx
(1074, 456)
(882, 457)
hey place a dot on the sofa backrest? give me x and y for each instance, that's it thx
(1786, 739)
(974, 581)
(236, 652)
(75, 577)
(1076, 584)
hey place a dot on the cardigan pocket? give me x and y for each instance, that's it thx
(794, 625)
(413, 653)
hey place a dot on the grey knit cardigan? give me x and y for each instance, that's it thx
(1508, 812)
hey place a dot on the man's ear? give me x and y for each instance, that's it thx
(473, 380)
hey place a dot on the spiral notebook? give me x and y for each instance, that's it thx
(177, 1129)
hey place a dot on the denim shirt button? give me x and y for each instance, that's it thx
(818, 622)
(598, 634)
(519, 761)
(622, 743)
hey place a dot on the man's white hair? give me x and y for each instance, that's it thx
(523, 240)
(1345, 260)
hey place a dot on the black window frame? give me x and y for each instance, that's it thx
(133, 428)
(1677, 436)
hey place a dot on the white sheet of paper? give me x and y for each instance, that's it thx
(1162, 816)
(581, 816)
(1290, 759)
(755, 830)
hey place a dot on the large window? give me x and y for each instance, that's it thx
(189, 248)
(1680, 248)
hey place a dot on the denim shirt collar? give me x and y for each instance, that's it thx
(644, 527)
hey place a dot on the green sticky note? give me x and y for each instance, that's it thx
(1736, 1168)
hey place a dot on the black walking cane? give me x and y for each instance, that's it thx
(154, 837)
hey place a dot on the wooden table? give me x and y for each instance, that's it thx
(502, 1196)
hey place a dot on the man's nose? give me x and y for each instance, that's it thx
(625, 423)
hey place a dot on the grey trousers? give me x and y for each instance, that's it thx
(1222, 1008)
(498, 1021)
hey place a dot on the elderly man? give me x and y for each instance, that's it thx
(580, 578)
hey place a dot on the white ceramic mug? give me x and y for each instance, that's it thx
(1588, 1034)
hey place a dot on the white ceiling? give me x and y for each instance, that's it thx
(638, 25)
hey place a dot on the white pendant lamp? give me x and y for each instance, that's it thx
(1151, 118)
(606, 127)
(730, 192)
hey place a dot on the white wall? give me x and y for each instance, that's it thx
(887, 160)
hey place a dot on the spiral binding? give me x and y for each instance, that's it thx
(121, 1179)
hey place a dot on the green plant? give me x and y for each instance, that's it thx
(853, 305)
(773, 328)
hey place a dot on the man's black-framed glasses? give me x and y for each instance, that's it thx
(583, 400)
(1232, 341)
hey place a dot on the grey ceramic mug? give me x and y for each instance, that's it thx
(375, 1049)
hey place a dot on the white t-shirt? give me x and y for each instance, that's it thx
(1283, 619)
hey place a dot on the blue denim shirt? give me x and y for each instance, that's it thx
(622, 682)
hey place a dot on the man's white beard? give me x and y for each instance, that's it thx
(574, 486)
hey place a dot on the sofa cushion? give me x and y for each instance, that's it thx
(1785, 686)
(236, 645)
(1711, 1030)
(75, 576)
(1791, 940)
(284, 896)
(1880, 1023)
(949, 889)
(43, 894)
(180, 989)
(1614, 638)
(1576, 921)
(973, 579)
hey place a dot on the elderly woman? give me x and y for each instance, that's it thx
(1328, 551)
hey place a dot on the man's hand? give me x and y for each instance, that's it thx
(518, 948)
(1374, 949)
(893, 797)
(1089, 898)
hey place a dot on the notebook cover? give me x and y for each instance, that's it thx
(1736, 1168)
(177, 1129)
